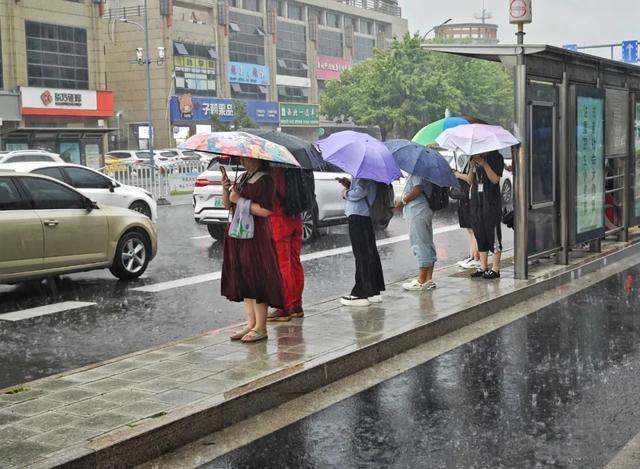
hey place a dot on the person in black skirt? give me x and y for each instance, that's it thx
(486, 210)
(464, 220)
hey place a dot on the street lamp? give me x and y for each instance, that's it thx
(441, 24)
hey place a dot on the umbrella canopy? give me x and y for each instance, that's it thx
(360, 155)
(474, 139)
(427, 135)
(303, 151)
(241, 144)
(424, 162)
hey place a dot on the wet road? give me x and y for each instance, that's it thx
(557, 388)
(124, 320)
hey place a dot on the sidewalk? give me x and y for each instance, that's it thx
(131, 409)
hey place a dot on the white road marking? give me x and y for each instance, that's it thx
(43, 310)
(201, 237)
(184, 282)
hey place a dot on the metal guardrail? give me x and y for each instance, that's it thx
(382, 6)
(174, 178)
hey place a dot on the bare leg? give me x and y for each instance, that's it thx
(496, 261)
(484, 257)
(249, 306)
(426, 274)
(260, 310)
(473, 246)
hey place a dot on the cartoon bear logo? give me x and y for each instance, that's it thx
(186, 106)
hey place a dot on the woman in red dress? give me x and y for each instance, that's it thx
(250, 271)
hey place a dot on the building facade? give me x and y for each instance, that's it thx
(273, 56)
(477, 33)
(52, 76)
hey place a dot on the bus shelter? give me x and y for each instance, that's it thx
(577, 170)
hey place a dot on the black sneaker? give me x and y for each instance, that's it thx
(490, 275)
(478, 273)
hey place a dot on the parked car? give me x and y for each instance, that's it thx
(21, 156)
(94, 185)
(177, 154)
(48, 229)
(208, 207)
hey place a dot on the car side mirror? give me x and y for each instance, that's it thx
(112, 186)
(90, 205)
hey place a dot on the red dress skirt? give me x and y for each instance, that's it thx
(250, 266)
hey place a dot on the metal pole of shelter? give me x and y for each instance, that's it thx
(521, 206)
(147, 61)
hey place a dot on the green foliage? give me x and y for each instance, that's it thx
(240, 121)
(406, 87)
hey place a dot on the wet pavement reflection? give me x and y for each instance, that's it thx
(558, 388)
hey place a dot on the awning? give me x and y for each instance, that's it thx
(40, 133)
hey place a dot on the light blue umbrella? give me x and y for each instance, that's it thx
(423, 162)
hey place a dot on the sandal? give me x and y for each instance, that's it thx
(254, 336)
(237, 335)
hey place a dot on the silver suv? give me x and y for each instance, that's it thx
(208, 208)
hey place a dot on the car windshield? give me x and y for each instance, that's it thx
(227, 162)
(145, 155)
(118, 156)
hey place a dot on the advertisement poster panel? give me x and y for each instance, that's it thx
(299, 115)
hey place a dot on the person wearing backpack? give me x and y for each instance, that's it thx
(360, 195)
(419, 216)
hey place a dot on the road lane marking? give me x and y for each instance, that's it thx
(43, 310)
(187, 281)
(201, 237)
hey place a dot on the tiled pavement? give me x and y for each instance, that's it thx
(78, 408)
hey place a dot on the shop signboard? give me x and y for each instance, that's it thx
(200, 109)
(330, 68)
(252, 74)
(299, 115)
(589, 165)
(57, 101)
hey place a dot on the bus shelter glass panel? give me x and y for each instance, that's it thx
(635, 209)
(589, 196)
(616, 144)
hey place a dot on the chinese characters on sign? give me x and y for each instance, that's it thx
(330, 68)
(200, 109)
(252, 74)
(219, 109)
(68, 99)
(590, 165)
(299, 115)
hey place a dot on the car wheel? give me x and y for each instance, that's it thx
(507, 192)
(132, 256)
(141, 207)
(309, 226)
(216, 232)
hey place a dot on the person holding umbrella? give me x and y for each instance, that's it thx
(487, 164)
(426, 167)
(367, 160)
(250, 271)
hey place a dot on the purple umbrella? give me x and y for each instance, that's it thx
(360, 155)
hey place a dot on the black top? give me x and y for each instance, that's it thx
(490, 194)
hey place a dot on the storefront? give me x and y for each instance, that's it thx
(72, 123)
(192, 115)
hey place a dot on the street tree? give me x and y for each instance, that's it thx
(405, 87)
(241, 119)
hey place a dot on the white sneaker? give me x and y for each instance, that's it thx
(375, 299)
(470, 264)
(413, 285)
(354, 301)
(464, 262)
(430, 285)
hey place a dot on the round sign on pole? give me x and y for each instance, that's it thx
(520, 11)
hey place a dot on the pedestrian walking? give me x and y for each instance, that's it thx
(250, 271)
(360, 195)
(419, 218)
(464, 218)
(486, 210)
(292, 197)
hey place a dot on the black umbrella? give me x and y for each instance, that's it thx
(304, 152)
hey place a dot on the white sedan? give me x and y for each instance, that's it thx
(94, 185)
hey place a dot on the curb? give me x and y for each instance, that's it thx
(150, 439)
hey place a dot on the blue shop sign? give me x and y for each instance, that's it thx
(197, 108)
(263, 112)
(252, 74)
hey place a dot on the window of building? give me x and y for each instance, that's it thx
(292, 49)
(246, 44)
(57, 56)
(293, 94)
(295, 12)
(333, 20)
(355, 24)
(330, 43)
(366, 27)
(282, 8)
(247, 91)
(317, 14)
(253, 5)
(363, 48)
(195, 69)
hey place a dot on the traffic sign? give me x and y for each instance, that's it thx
(573, 47)
(630, 51)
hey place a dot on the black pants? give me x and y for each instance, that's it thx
(369, 277)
